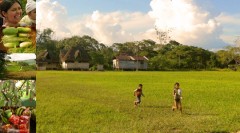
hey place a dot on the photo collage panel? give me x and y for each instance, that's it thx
(18, 66)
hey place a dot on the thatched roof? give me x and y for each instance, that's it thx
(74, 54)
(234, 62)
(46, 56)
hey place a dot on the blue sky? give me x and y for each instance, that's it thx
(88, 6)
(210, 24)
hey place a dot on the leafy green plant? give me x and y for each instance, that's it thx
(17, 93)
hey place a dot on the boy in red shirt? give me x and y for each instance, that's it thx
(138, 93)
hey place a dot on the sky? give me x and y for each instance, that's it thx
(210, 24)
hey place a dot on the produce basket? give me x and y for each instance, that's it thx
(15, 119)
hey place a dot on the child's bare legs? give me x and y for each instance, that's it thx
(174, 105)
(137, 102)
(179, 106)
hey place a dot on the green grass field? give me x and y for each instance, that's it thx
(102, 102)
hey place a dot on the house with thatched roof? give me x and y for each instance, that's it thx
(234, 64)
(126, 62)
(47, 61)
(74, 59)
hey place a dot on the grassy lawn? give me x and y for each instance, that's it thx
(82, 102)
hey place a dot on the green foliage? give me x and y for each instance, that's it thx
(171, 56)
(103, 102)
(2, 65)
(13, 92)
(174, 56)
(97, 58)
(227, 55)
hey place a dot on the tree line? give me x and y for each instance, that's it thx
(170, 56)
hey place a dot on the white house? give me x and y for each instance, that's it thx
(125, 62)
(72, 60)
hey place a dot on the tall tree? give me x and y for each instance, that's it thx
(44, 41)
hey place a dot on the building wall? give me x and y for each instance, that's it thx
(41, 68)
(52, 66)
(129, 64)
(100, 67)
(75, 65)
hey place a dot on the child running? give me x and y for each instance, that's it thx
(138, 93)
(177, 95)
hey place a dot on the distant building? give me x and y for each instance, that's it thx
(125, 62)
(46, 61)
(233, 64)
(72, 59)
(100, 67)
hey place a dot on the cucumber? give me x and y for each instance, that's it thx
(10, 31)
(24, 35)
(24, 30)
(10, 38)
(25, 44)
(11, 44)
(8, 113)
(23, 39)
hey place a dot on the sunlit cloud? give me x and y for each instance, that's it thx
(189, 24)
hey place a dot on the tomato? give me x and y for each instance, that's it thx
(22, 126)
(14, 119)
(23, 121)
(24, 117)
(23, 131)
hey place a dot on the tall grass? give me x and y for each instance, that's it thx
(103, 102)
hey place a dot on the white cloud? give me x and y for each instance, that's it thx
(52, 15)
(190, 24)
(117, 26)
(231, 28)
(107, 28)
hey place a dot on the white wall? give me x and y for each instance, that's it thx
(75, 65)
(129, 64)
